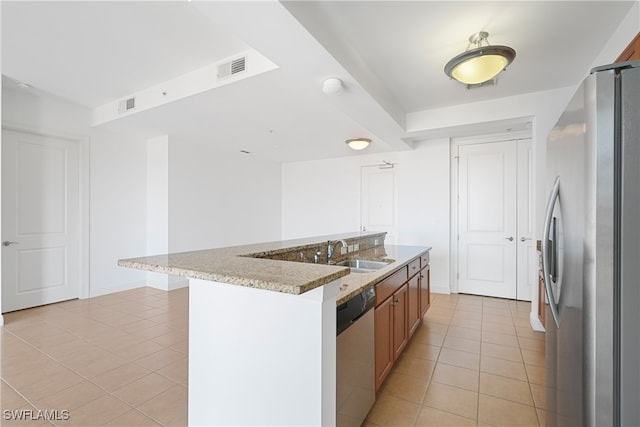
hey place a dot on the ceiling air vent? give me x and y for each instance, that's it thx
(126, 105)
(232, 68)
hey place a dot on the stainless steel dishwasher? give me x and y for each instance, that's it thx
(355, 359)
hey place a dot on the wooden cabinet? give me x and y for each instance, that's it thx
(383, 326)
(386, 287)
(632, 51)
(425, 291)
(419, 292)
(402, 300)
(414, 304)
(400, 330)
(414, 267)
(391, 335)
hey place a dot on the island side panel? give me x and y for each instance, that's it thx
(261, 358)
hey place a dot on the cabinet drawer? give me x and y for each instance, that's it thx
(414, 267)
(424, 260)
(388, 286)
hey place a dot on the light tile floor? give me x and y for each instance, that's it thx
(121, 360)
(474, 361)
(117, 360)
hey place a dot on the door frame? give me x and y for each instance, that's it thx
(382, 165)
(454, 145)
(84, 192)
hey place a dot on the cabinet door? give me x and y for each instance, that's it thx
(400, 327)
(425, 290)
(414, 303)
(383, 340)
(631, 52)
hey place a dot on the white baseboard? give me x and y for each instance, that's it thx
(165, 286)
(105, 291)
(184, 283)
(536, 324)
(166, 282)
(440, 289)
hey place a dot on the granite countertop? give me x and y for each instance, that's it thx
(232, 265)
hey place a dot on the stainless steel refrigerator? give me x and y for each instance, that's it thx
(591, 254)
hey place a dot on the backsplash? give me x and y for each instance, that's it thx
(371, 245)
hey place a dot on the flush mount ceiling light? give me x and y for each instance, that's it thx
(480, 62)
(358, 143)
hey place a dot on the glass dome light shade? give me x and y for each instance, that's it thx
(358, 143)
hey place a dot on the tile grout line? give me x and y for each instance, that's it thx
(84, 377)
(480, 364)
(431, 378)
(535, 408)
(106, 392)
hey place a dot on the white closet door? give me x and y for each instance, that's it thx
(487, 219)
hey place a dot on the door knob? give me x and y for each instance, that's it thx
(523, 239)
(510, 238)
(8, 243)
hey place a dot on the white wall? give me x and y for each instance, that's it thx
(626, 31)
(323, 197)
(118, 210)
(219, 198)
(158, 210)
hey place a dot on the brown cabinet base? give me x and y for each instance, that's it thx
(402, 300)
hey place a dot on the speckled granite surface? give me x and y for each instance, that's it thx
(232, 265)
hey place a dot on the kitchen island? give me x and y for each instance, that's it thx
(262, 324)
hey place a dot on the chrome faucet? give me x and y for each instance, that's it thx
(331, 248)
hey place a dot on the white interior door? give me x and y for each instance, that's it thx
(487, 219)
(527, 264)
(378, 201)
(40, 220)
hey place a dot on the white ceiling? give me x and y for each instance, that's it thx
(407, 43)
(390, 54)
(94, 52)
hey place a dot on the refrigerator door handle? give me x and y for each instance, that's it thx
(546, 255)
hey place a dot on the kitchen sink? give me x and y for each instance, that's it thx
(363, 265)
